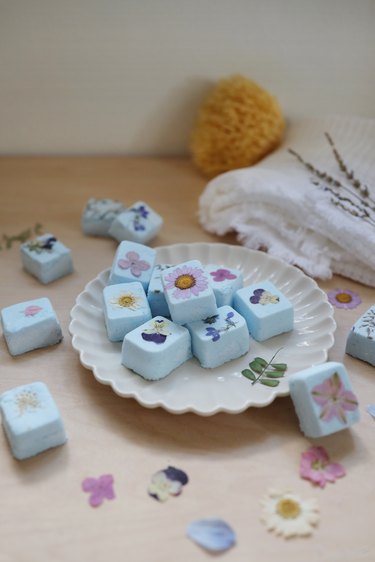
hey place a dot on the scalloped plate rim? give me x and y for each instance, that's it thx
(190, 408)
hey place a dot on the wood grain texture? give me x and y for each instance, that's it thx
(231, 459)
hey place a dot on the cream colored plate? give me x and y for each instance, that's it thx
(190, 388)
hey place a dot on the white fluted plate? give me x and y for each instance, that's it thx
(191, 388)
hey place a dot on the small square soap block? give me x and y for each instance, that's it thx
(30, 325)
(323, 399)
(99, 214)
(156, 348)
(140, 223)
(31, 420)
(361, 339)
(46, 258)
(155, 293)
(225, 282)
(219, 338)
(188, 292)
(266, 310)
(132, 262)
(125, 308)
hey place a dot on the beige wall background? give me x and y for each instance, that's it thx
(115, 76)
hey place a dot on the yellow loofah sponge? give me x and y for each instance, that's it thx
(238, 124)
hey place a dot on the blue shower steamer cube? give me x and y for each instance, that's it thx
(125, 308)
(361, 339)
(155, 292)
(188, 292)
(266, 310)
(225, 282)
(30, 325)
(323, 399)
(219, 338)
(139, 223)
(132, 262)
(31, 420)
(156, 348)
(46, 258)
(99, 214)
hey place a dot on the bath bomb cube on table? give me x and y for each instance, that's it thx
(132, 262)
(219, 338)
(156, 348)
(139, 223)
(31, 420)
(266, 310)
(99, 214)
(46, 258)
(323, 399)
(155, 292)
(30, 325)
(361, 339)
(225, 282)
(125, 308)
(188, 292)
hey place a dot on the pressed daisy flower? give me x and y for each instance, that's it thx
(316, 466)
(288, 515)
(126, 300)
(344, 298)
(187, 281)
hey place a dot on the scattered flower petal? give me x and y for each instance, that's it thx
(100, 488)
(315, 466)
(212, 534)
(167, 482)
(288, 515)
(344, 298)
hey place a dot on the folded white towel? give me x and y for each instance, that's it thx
(276, 205)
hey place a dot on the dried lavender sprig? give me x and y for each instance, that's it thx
(329, 179)
(363, 189)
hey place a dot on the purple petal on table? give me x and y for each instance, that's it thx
(213, 534)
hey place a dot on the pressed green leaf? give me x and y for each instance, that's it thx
(261, 361)
(257, 367)
(249, 374)
(279, 366)
(274, 374)
(269, 382)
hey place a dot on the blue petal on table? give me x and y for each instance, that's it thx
(371, 410)
(212, 534)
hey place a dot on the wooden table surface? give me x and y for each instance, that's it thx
(231, 460)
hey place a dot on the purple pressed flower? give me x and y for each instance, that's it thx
(222, 275)
(261, 296)
(100, 488)
(157, 332)
(155, 337)
(134, 263)
(213, 333)
(343, 298)
(141, 210)
(334, 399)
(187, 281)
(167, 482)
(32, 309)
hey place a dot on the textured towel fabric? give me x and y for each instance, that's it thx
(276, 204)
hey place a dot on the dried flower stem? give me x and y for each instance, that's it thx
(364, 204)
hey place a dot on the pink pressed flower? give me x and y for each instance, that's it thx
(133, 263)
(187, 281)
(334, 399)
(32, 310)
(222, 274)
(315, 466)
(100, 488)
(344, 298)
